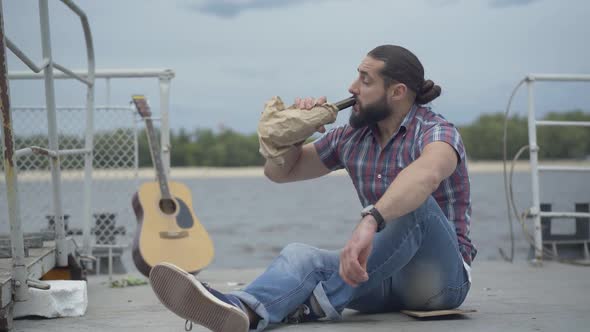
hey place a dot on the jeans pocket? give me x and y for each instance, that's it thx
(448, 298)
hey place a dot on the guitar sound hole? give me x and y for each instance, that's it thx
(168, 206)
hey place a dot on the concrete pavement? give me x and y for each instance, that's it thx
(507, 297)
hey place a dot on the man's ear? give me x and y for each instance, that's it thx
(397, 91)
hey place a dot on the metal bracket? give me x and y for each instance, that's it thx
(38, 284)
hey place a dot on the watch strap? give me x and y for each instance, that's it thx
(378, 218)
(372, 210)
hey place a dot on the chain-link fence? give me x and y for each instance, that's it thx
(114, 173)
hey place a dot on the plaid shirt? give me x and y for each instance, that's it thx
(372, 169)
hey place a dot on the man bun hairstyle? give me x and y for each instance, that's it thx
(403, 66)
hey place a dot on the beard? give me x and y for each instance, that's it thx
(370, 114)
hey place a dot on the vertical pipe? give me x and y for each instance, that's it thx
(89, 138)
(534, 160)
(136, 147)
(88, 167)
(19, 270)
(108, 87)
(110, 264)
(164, 124)
(62, 250)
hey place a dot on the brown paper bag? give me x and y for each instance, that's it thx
(281, 129)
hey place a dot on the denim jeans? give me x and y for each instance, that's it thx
(415, 264)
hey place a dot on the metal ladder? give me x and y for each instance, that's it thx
(535, 211)
(20, 280)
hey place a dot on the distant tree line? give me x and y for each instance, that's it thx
(204, 147)
(228, 148)
(483, 138)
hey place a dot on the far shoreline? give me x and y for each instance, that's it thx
(474, 167)
(199, 172)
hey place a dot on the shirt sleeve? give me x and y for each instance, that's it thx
(327, 147)
(443, 132)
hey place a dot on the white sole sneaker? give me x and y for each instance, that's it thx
(184, 295)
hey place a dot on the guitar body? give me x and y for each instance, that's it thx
(175, 236)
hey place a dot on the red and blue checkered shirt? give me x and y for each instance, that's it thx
(373, 169)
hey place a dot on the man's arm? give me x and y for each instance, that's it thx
(420, 179)
(407, 192)
(301, 163)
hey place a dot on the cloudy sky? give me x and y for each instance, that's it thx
(230, 56)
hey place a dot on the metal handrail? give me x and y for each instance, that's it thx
(563, 123)
(105, 73)
(164, 77)
(24, 58)
(70, 108)
(534, 150)
(50, 153)
(19, 268)
(89, 139)
(62, 250)
(565, 214)
(559, 77)
(556, 168)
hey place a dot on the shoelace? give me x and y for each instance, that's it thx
(188, 325)
(296, 317)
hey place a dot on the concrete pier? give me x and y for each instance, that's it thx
(507, 297)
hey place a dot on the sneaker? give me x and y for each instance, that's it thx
(196, 302)
(309, 311)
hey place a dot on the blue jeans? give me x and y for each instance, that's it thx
(415, 264)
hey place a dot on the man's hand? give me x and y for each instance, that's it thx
(354, 256)
(309, 103)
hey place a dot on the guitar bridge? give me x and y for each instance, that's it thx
(173, 235)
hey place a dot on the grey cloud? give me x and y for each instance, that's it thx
(232, 8)
(442, 3)
(510, 3)
(492, 3)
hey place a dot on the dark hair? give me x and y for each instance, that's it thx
(404, 67)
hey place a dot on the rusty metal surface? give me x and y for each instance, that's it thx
(5, 103)
(40, 151)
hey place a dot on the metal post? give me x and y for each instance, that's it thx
(164, 125)
(136, 146)
(19, 269)
(61, 244)
(110, 264)
(89, 137)
(534, 160)
(108, 92)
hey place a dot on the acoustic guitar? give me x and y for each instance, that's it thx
(168, 230)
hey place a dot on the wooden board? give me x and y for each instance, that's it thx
(437, 313)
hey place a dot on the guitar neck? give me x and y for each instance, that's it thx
(157, 158)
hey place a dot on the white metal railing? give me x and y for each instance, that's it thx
(565, 214)
(114, 159)
(52, 152)
(47, 66)
(164, 77)
(535, 211)
(563, 123)
(555, 168)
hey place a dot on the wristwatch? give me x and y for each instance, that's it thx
(370, 209)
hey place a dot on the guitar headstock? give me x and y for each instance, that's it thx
(142, 106)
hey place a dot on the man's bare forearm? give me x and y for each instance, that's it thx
(418, 181)
(279, 173)
(407, 192)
